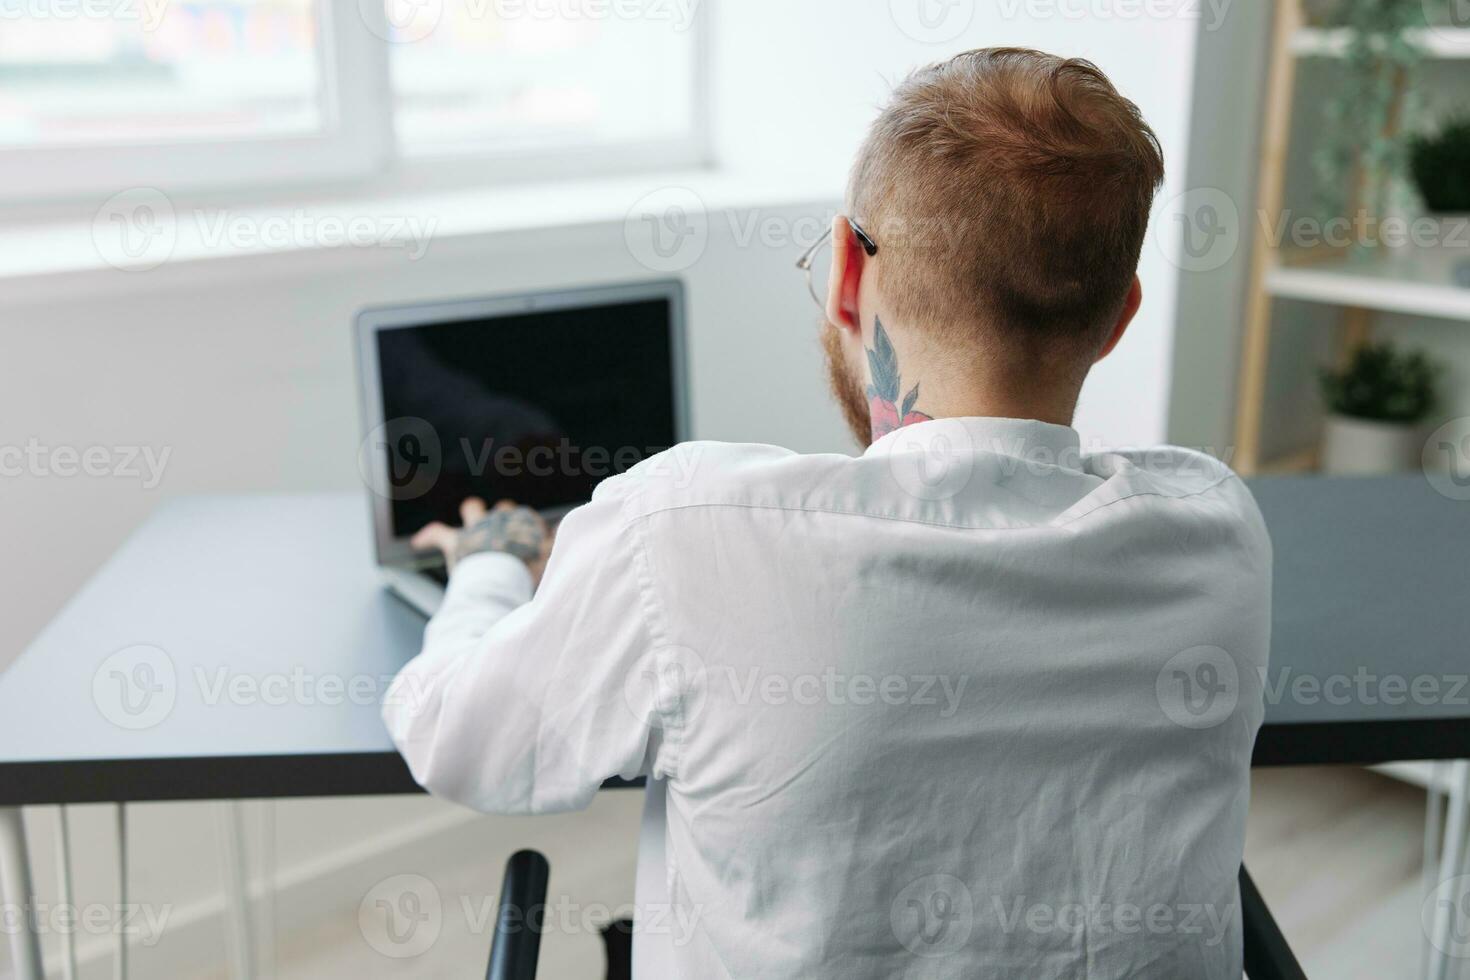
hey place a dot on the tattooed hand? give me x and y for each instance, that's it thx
(509, 529)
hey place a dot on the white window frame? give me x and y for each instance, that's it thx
(357, 142)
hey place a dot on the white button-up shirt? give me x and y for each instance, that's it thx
(972, 704)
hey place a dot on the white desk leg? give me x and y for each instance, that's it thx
(64, 891)
(1433, 845)
(17, 893)
(237, 891)
(120, 956)
(1451, 861)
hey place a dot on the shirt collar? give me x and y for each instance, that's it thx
(1028, 438)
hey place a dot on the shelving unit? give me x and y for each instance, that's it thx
(1443, 42)
(1408, 280)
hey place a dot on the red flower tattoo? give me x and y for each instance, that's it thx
(884, 410)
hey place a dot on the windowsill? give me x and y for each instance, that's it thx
(43, 253)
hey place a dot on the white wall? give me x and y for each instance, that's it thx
(813, 72)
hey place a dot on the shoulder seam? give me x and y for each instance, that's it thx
(910, 520)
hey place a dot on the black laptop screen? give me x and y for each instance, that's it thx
(537, 407)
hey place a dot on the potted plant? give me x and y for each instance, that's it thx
(1377, 405)
(1440, 165)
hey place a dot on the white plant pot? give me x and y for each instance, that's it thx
(1364, 447)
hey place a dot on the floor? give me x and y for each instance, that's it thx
(1336, 852)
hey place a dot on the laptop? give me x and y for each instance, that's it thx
(535, 398)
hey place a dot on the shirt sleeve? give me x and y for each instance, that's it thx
(527, 705)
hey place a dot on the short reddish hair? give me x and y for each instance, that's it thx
(1011, 189)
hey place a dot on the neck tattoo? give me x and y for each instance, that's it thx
(884, 408)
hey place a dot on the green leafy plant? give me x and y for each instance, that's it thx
(1382, 384)
(1361, 157)
(1440, 164)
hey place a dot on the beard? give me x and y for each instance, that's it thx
(847, 387)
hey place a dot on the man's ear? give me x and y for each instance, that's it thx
(1130, 307)
(848, 262)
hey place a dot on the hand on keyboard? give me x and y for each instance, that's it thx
(507, 528)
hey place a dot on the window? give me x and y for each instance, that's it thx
(516, 81)
(101, 94)
(201, 71)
